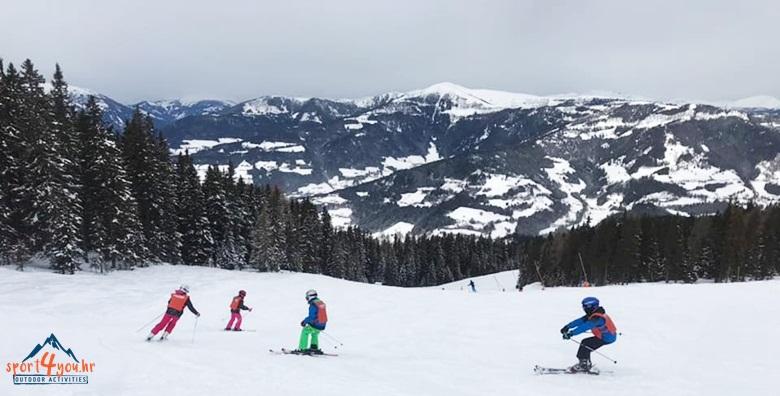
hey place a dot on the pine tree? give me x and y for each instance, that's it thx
(167, 226)
(268, 253)
(327, 241)
(192, 224)
(217, 213)
(151, 178)
(64, 204)
(8, 161)
(110, 225)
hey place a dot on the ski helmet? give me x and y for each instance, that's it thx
(311, 294)
(184, 288)
(590, 303)
(242, 293)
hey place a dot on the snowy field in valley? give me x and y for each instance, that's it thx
(707, 339)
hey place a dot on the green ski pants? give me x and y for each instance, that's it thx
(305, 333)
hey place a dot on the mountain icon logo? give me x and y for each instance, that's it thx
(53, 342)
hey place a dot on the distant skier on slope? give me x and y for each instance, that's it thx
(596, 321)
(312, 325)
(235, 311)
(473, 286)
(179, 299)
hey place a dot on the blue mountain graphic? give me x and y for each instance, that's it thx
(53, 342)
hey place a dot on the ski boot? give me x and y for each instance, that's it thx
(149, 338)
(314, 350)
(164, 336)
(237, 330)
(583, 366)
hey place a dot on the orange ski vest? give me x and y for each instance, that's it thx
(177, 302)
(322, 314)
(609, 325)
(235, 303)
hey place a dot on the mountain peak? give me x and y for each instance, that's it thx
(482, 98)
(756, 102)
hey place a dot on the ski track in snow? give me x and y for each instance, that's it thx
(677, 339)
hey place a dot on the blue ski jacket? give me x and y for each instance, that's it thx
(595, 321)
(315, 318)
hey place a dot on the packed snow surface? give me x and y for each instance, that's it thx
(706, 339)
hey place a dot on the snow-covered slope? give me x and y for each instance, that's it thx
(503, 282)
(164, 112)
(710, 339)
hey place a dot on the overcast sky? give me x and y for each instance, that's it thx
(233, 49)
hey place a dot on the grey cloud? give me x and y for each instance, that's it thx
(135, 50)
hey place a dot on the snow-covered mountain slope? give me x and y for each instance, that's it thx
(575, 165)
(114, 113)
(452, 159)
(395, 341)
(165, 112)
(503, 282)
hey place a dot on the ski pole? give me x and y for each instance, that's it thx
(593, 350)
(150, 322)
(195, 329)
(333, 338)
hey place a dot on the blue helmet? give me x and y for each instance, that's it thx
(590, 303)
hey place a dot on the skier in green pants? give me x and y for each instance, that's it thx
(312, 325)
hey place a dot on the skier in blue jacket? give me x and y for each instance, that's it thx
(312, 325)
(597, 322)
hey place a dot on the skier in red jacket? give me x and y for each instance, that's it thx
(235, 310)
(179, 299)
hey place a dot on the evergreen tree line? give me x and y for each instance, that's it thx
(737, 244)
(76, 193)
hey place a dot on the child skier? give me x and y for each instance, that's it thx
(599, 323)
(312, 325)
(235, 311)
(179, 299)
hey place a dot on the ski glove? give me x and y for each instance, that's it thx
(567, 335)
(565, 329)
(303, 323)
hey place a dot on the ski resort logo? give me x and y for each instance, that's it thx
(51, 363)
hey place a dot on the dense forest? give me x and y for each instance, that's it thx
(80, 195)
(737, 244)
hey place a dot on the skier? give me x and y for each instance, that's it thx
(472, 286)
(312, 325)
(179, 299)
(235, 311)
(599, 323)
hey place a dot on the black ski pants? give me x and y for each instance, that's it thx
(592, 342)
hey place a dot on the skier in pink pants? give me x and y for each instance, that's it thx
(179, 299)
(235, 311)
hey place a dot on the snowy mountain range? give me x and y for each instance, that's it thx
(452, 159)
(163, 112)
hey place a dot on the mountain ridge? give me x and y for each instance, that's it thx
(536, 163)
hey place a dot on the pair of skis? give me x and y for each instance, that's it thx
(285, 351)
(539, 370)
